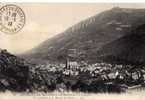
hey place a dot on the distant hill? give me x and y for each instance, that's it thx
(90, 35)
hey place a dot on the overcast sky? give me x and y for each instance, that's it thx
(46, 20)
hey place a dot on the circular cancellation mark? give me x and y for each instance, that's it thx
(12, 19)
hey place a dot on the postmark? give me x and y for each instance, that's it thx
(12, 19)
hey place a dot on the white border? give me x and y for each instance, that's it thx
(74, 1)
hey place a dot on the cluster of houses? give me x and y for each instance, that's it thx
(72, 74)
(107, 71)
(86, 73)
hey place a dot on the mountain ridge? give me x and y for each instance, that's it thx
(91, 34)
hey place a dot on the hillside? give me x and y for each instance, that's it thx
(90, 35)
(128, 49)
(14, 72)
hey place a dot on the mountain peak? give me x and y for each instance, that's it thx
(116, 8)
(127, 9)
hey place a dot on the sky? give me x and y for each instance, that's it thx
(45, 20)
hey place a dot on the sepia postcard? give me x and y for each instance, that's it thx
(72, 51)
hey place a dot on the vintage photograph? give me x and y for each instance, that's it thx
(89, 48)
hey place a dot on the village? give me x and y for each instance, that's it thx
(80, 76)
